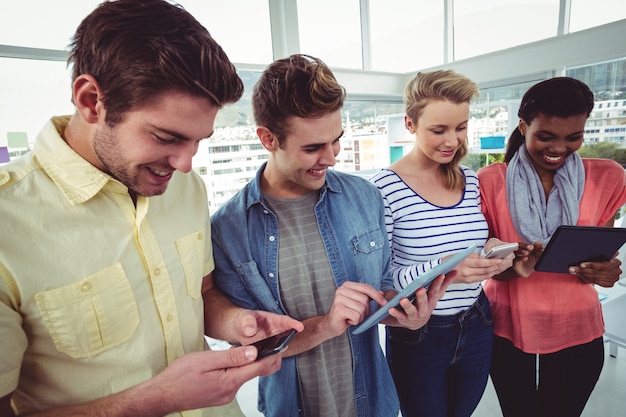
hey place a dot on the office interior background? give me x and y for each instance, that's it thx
(374, 48)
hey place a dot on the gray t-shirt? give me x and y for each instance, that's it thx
(307, 289)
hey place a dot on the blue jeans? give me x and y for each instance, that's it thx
(441, 370)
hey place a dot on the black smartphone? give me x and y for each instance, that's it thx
(274, 344)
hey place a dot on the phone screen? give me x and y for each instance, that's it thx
(274, 344)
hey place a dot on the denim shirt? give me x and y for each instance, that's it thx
(350, 215)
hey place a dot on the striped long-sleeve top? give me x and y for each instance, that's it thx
(421, 234)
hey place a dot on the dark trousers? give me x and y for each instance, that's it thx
(566, 379)
(441, 370)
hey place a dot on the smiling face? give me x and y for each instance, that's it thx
(549, 140)
(152, 141)
(299, 165)
(440, 130)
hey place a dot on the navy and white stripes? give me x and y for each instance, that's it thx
(421, 233)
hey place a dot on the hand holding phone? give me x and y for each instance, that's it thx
(274, 344)
(501, 251)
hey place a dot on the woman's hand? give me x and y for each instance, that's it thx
(414, 315)
(526, 258)
(476, 268)
(604, 274)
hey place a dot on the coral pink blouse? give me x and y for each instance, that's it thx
(547, 312)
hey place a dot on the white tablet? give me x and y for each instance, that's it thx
(409, 291)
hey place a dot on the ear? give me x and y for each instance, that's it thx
(522, 126)
(86, 93)
(408, 123)
(268, 139)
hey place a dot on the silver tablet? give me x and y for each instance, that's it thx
(409, 291)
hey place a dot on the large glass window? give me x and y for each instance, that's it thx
(494, 113)
(365, 145)
(32, 91)
(407, 36)
(607, 80)
(482, 26)
(42, 23)
(586, 14)
(606, 124)
(241, 27)
(231, 157)
(331, 31)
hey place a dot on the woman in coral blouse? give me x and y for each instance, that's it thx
(548, 349)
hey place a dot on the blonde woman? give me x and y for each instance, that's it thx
(432, 208)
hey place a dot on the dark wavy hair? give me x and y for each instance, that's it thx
(136, 50)
(300, 86)
(558, 96)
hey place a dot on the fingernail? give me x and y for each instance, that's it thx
(249, 353)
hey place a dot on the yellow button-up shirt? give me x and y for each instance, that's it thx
(96, 294)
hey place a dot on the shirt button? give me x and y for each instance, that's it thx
(200, 236)
(157, 271)
(271, 274)
(169, 317)
(372, 244)
(272, 238)
(266, 212)
(86, 287)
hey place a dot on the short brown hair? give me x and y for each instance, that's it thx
(136, 50)
(300, 86)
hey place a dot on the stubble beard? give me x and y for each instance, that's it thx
(106, 148)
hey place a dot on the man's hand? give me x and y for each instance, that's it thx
(225, 321)
(196, 380)
(254, 325)
(351, 306)
(210, 378)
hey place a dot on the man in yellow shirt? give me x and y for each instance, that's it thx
(106, 263)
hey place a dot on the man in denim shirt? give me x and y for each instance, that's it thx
(332, 262)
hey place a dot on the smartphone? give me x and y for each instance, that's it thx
(274, 344)
(501, 251)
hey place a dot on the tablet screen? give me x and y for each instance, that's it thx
(409, 291)
(571, 245)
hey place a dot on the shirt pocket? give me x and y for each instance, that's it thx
(368, 242)
(367, 247)
(191, 250)
(92, 315)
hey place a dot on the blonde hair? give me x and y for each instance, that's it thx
(440, 85)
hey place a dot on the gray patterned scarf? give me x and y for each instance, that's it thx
(533, 218)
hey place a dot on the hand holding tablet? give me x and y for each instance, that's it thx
(409, 291)
(572, 245)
